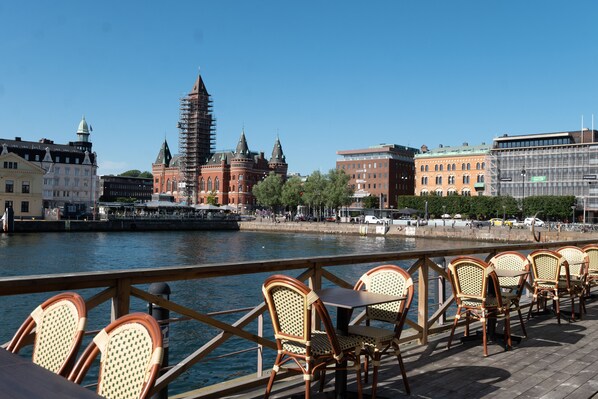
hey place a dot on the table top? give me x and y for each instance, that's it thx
(348, 298)
(20, 378)
(510, 273)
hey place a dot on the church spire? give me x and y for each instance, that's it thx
(277, 154)
(242, 150)
(164, 156)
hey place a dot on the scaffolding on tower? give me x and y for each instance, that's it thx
(197, 136)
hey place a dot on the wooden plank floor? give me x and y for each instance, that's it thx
(552, 362)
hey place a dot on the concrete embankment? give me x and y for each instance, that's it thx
(498, 234)
(36, 226)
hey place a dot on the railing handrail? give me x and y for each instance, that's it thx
(14, 285)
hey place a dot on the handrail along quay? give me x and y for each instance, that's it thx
(122, 290)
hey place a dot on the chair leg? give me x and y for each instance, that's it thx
(531, 306)
(367, 366)
(359, 384)
(403, 372)
(508, 329)
(307, 388)
(448, 346)
(521, 321)
(484, 338)
(272, 376)
(557, 304)
(322, 379)
(376, 364)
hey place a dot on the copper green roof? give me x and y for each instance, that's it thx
(456, 151)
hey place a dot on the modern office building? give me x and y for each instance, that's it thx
(200, 172)
(561, 163)
(114, 187)
(384, 171)
(457, 170)
(70, 179)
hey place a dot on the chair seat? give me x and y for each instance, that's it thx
(491, 302)
(562, 285)
(320, 344)
(372, 336)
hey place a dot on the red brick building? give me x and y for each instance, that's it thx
(227, 175)
(383, 171)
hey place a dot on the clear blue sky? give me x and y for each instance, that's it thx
(324, 75)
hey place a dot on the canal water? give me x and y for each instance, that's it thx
(47, 253)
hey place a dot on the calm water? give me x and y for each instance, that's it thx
(29, 254)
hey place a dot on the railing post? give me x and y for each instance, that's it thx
(441, 261)
(161, 315)
(260, 347)
(122, 301)
(422, 300)
(315, 283)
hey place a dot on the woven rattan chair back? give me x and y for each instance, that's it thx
(511, 260)
(469, 277)
(388, 280)
(131, 354)
(292, 305)
(58, 325)
(592, 251)
(546, 266)
(576, 258)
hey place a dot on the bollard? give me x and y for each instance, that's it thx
(8, 221)
(159, 313)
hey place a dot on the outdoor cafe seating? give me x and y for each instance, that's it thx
(302, 349)
(512, 285)
(578, 261)
(477, 293)
(551, 281)
(130, 350)
(592, 251)
(56, 328)
(377, 340)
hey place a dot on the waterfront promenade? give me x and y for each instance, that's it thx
(553, 362)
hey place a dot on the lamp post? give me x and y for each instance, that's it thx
(443, 213)
(523, 173)
(238, 194)
(573, 214)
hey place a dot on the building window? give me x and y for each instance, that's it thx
(441, 166)
(9, 187)
(57, 158)
(435, 168)
(25, 187)
(483, 165)
(465, 179)
(426, 168)
(7, 204)
(201, 185)
(468, 166)
(438, 180)
(451, 179)
(217, 183)
(480, 178)
(24, 206)
(209, 184)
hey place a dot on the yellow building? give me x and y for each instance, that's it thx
(20, 186)
(452, 170)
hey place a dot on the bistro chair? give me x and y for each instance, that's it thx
(475, 285)
(578, 262)
(131, 354)
(512, 287)
(292, 306)
(57, 327)
(551, 280)
(389, 280)
(592, 251)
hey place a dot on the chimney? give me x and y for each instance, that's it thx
(465, 144)
(17, 139)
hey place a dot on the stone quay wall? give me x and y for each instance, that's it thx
(36, 226)
(498, 234)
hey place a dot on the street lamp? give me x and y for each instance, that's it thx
(573, 215)
(523, 194)
(503, 212)
(443, 213)
(238, 194)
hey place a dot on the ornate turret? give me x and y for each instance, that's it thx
(83, 130)
(164, 155)
(242, 151)
(277, 154)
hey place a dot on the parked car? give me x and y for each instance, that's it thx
(445, 216)
(537, 222)
(374, 219)
(478, 223)
(457, 216)
(496, 222)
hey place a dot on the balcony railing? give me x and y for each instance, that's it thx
(118, 288)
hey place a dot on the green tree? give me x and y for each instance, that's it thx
(268, 192)
(370, 202)
(339, 193)
(314, 191)
(147, 175)
(291, 193)
(212, 198)
(131, 173)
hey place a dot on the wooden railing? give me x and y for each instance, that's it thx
(119, 287)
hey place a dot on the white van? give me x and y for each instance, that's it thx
(373, 219)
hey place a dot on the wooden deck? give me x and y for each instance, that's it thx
(552, 362)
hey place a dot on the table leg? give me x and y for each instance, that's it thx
(340, 376)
